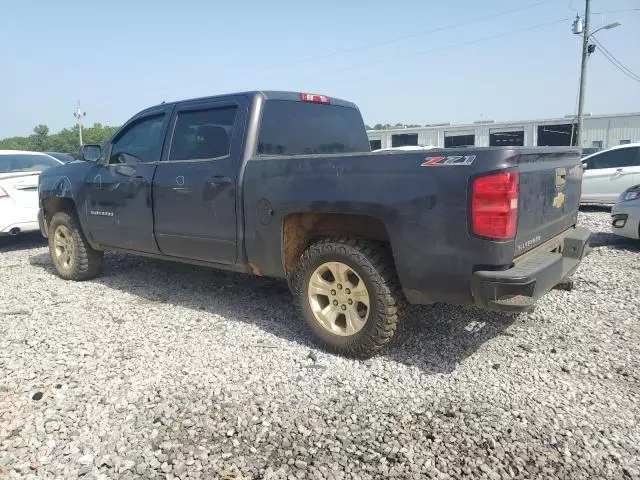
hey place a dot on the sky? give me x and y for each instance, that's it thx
(406, 61)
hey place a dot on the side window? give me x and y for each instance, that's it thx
(138, 142)
(624, 157)
(203, 134)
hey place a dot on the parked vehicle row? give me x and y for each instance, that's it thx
(19, 173)
(610, 172)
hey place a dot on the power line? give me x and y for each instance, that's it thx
(413, 35)
(618, 11)
(617, 63)
(447, 47)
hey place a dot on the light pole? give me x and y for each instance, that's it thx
(79, 114)
(586, 50)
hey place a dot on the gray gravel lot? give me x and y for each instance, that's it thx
(160, 370)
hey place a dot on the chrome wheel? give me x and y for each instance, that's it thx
(339, 299)
(64, 246)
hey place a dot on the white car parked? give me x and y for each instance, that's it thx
(609, 173)
(19, 173)
(625, 215)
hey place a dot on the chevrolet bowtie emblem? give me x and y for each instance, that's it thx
(558, 201)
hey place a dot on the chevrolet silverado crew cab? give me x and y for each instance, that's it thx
(285, 185)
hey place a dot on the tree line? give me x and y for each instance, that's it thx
(65, 141)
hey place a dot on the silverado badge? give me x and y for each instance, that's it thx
(558, 201)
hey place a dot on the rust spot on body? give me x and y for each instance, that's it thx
(255, 269)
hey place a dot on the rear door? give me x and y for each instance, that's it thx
(550, 184)
(117, 191)
(608, 174)
(195, 185)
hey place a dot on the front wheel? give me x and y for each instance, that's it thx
(347, 291)
(70, 252)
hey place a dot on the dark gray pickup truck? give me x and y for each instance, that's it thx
(285, 185)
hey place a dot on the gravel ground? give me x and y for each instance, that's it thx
(160, 370)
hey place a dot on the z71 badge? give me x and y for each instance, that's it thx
(447, 161)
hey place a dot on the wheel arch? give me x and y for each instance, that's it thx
(54, 204)
(301, 229)
(56, 195)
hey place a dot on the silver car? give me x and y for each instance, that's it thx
(625, 214)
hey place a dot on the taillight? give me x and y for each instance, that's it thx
(494, 205)
(3, 193)
(313, 98)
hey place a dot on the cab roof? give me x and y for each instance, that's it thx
(266, 94)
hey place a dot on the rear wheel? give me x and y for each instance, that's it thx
(70, 252)
(349, 295)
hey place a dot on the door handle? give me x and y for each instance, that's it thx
(182, 190)
(218, 181)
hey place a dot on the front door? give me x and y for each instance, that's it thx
(117, 195)
(195, 184)
(609, 173)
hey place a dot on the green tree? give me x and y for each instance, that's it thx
(66, 140)
(39, 139)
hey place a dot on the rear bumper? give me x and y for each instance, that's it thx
(518, 288)
(15, 219)
(18, 227)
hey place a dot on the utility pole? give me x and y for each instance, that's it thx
(79, 114)
(583, 71)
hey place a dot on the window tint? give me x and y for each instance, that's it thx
(302, 128)
(139, 142)
(201, 134)
(25, 163)
(625, 157)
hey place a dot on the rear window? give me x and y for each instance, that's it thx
(303, 128)
(25, 163)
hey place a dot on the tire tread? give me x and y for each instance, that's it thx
(375, 259)
(88, 261)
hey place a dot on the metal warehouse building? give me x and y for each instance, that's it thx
(601, 131)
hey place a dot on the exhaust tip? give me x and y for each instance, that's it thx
(14, 231)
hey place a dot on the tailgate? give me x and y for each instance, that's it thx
(21, 187)
(550, 188)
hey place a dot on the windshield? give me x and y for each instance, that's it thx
(26, 163)
(300, 128)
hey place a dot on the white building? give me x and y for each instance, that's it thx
(601, 131)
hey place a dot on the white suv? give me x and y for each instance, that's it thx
(609, 173)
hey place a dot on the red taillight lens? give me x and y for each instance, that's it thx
(494, 205)
(312, 97)
(3, 193)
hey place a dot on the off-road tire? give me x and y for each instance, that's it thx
(85, 262)
(373, 263)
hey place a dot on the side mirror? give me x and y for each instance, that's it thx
(585, 166)
(90, 152)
